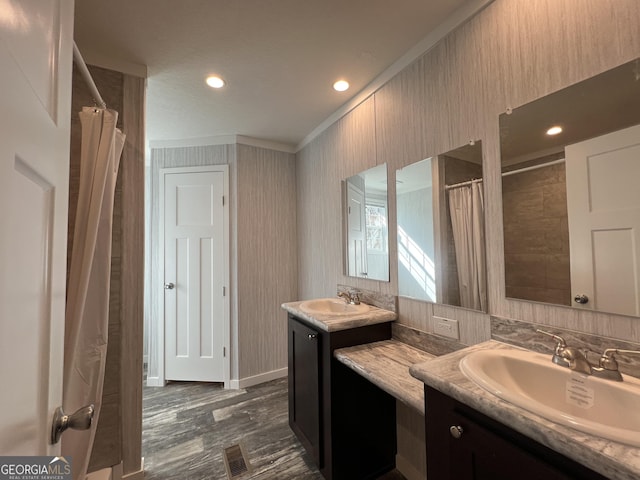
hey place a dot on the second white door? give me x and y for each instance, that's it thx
(604, 221)
(195, 273)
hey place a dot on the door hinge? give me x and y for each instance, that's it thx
(224, 291)
(224, 351)
(349, 210)
(223, 200)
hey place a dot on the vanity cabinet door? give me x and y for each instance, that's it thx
(482, 455)
(465, 444)
(304, 386)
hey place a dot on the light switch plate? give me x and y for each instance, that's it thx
(446, 327)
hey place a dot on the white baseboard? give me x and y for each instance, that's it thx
(258, 379)
(155, 382)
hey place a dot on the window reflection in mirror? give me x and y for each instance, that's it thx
(571, 204)
(367, 242)
(416, 242)
(440, 212)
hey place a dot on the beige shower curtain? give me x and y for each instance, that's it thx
(466, 206)
(89, 277)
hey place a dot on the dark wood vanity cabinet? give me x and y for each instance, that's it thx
(465, 444)
(346, 423)
(304, 386)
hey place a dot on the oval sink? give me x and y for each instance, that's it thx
(332, 306)
(529, 380)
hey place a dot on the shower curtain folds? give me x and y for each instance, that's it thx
(466, 206)
(87, 310)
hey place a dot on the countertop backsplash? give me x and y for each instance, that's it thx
(371, 297)
(427, 342)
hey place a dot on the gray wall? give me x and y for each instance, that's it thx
(266, 261)
(510, 53)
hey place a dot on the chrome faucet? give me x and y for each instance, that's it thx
(576, 359)
(571, 357)
(352, 297)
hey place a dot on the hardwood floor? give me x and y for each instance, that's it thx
(186, 427)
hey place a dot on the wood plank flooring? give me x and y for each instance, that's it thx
(187, 425)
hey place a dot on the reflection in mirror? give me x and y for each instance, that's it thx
(571, 202)
(367, 243)
(441, 252)
(416, 242)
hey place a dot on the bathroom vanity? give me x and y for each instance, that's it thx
(471, 433)
(332, 410)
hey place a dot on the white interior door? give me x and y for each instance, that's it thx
(35, 95)
(195, 274)
(356, 232)
(603, 202)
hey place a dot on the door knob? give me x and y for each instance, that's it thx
(456, 431)
(312, 336)
(581, 299)
(169, 286)
(79, 420)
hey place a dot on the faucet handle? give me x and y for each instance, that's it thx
(561, 343)
(608, 360)
(558, 357)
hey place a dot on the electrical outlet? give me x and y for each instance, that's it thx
(446, 327)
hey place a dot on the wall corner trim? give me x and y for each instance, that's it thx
(456, 19)
(223, 140)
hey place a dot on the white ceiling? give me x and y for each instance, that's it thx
(278, 57)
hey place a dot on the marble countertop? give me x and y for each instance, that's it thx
(611, 459)
(386, 364)
(333, 323)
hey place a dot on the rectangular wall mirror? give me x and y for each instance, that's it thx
(365, 221)
(440, 212)
(571, 202)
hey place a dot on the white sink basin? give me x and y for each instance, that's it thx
(332, 306)
(529, 380)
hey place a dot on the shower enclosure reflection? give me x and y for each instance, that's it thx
(441, 253)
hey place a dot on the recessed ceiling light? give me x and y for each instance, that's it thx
(341, 85)
(555, 130)
(215, 82)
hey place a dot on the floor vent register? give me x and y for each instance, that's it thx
(235, 461)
